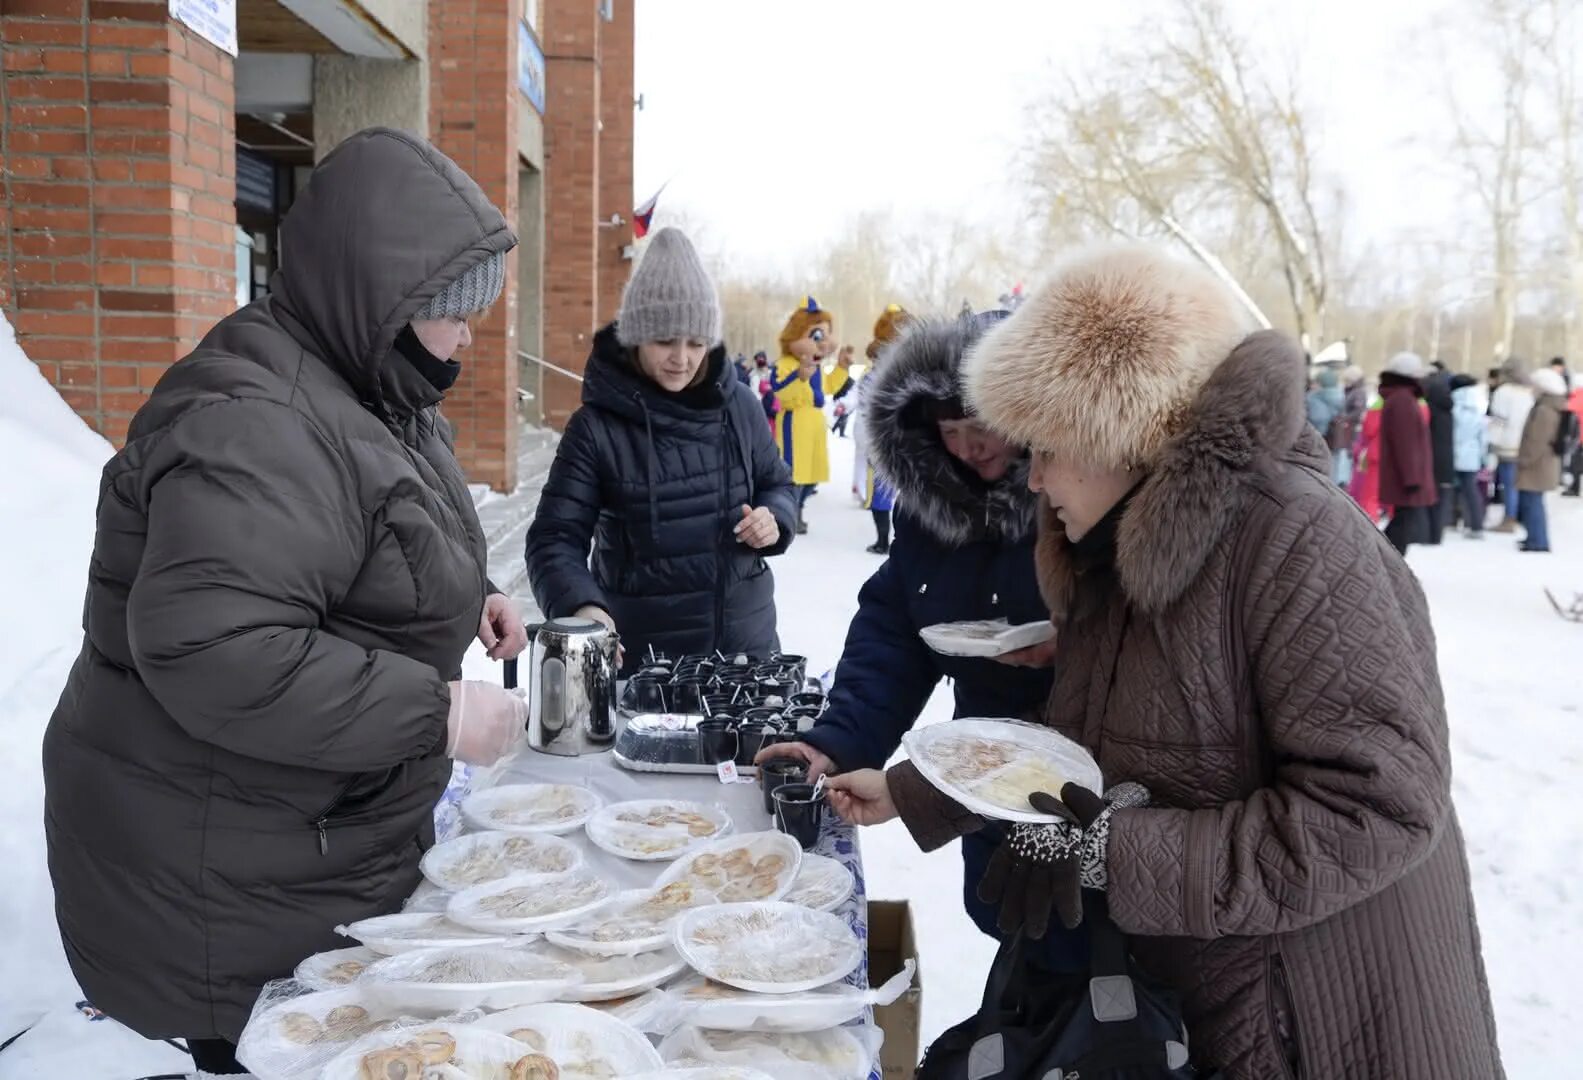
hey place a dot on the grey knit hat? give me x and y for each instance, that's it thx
(469, 294)
(669, 296)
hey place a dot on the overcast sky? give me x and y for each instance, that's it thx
(777, 122)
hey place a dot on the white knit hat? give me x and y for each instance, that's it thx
(669, 296)
(1407, 365)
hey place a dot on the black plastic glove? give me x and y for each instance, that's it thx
(1043, 867)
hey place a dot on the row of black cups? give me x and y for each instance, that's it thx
(713, 684)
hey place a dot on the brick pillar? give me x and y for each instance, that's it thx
(571, 205)
(473, 104)
(117, 223)
(615, 157)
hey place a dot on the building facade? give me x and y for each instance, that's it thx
(147, 158)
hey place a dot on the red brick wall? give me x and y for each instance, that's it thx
(571, 195)
(117, 159)
(615, 157)
(473, 117)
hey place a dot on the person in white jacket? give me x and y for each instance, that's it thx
(1510, 405)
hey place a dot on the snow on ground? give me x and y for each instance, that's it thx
(1509, 665)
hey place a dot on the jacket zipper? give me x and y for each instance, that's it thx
(321, 820)
(1288, 1044)
(722, 556)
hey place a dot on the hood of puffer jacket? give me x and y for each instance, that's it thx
(385, 223)
(939, 492)
(1247, 416)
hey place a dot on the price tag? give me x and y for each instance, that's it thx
(727, 771)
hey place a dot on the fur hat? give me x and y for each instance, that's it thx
(670, 295)
(807, 316)
(1101, 361)
(886, 328)
(1546, 381)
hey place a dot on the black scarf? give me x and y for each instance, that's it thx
(441, 374)
(1098, 545)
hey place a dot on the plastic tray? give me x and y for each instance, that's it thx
(768, 948)
(584, 1043)
(992, 766)
(985, 637)
(822, 883)
(479, 1054)
(479, 858)
(472, 979)
(544, 902)
(530, 808)
(652, 830)
(292, 1034)
(845, 1053)
(334, 969)
(392, 934)
(720, 868)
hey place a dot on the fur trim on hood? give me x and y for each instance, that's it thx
(1247, 416)
(935, 489)
(1099, 363)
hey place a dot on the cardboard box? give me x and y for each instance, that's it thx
(892, 942)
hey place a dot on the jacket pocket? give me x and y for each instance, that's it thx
(1283, 1019)
(363, 796)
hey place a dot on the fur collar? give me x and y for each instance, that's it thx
(937, 491)
(1247, 419)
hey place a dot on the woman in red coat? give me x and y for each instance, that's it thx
(1365, 484)
(1406, 465)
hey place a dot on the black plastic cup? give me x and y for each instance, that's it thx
(798, 814)
(776, 774)
(686, 696)
(644, 694)
(753, 736)
(717, 740)
(809, 699)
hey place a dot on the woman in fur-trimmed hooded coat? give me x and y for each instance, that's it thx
(1238, 639)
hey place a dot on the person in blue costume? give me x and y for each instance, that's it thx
(963, 550)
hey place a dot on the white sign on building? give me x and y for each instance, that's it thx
(212, 20)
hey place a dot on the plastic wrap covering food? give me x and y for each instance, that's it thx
(822, 884)
(441, 1051)
(750, 867)
(845, 1053)
(529, 903)
(479, 858)
(294, 1033)
(611, 978)
(638, 1011)
(649, 830)
(698, 1002)
(986, 637)
(584, 1043)
(992, 766)
(635, 921)
(335, 969)
(705, 1072)
(530, 808)
(392, 934)
(768, 948)
(450, 980)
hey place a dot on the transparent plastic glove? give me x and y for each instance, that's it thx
(485, 724)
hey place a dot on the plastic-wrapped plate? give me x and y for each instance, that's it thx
(392, 934)
(611, 978)
(698, 1002)
(985, 637)
(336, 968)
(636, 921)
(653, 829)
(478, 858)
(734, 869)
(474, 1054)
(705, 1072)
(530, 808)
(292, 1034)
(843, 1053)
(452, 980)
(584, 1043)
(768, 948)
(822, 884)
(992, 766)
(527, 903)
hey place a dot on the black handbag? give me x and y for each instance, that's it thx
(1106, 1024)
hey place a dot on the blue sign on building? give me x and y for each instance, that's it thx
(530, 67)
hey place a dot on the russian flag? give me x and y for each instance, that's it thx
(643, 214)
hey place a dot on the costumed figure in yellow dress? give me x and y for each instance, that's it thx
(800, 433)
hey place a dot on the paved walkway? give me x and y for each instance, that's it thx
(506, 517)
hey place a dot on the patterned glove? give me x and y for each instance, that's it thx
(1040, 867)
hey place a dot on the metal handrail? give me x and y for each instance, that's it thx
(539, 360)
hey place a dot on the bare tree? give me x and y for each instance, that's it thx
(1561, 38)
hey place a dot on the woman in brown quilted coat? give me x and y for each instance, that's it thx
(1239, 639)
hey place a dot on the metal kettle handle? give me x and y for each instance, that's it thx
(508, 672)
